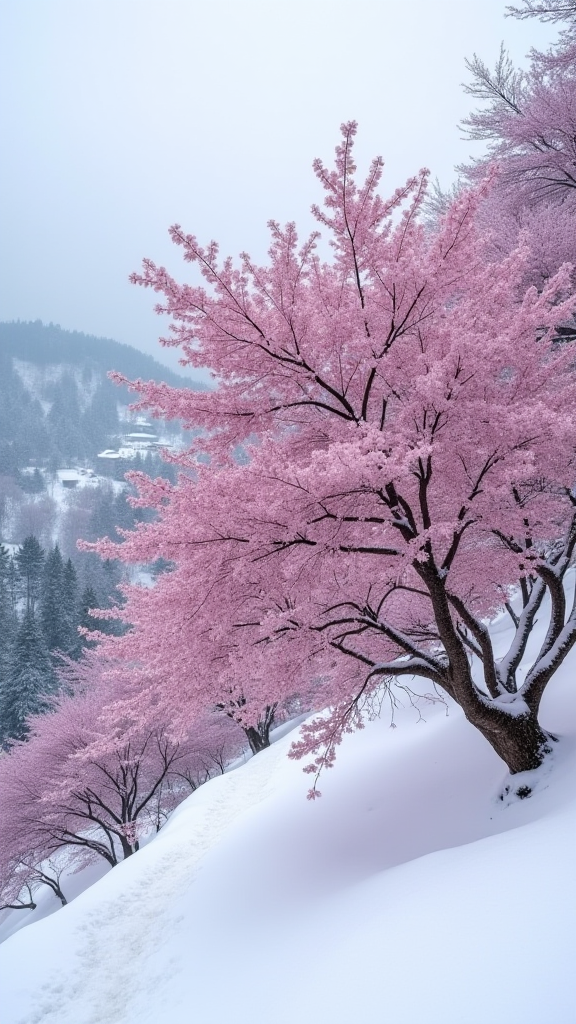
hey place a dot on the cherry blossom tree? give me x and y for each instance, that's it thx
(196, 670)
(408, 470)
(22, 877)
(528, 118)
(90, 783)
(206, 682)
(563, 54)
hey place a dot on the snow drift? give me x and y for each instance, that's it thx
(409, 893)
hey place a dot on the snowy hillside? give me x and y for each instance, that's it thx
(36, 378)
(408, 894)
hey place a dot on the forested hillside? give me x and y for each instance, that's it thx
(58, 410)
(57, 404)
(41, 343)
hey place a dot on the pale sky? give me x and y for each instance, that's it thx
(121, 117)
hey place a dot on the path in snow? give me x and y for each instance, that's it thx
(407, 895)
(115, 939)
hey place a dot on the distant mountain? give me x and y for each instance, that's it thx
(46, 344)
(57, 405)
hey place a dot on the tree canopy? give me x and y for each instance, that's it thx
(404, 410)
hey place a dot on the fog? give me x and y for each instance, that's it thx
(121, 117)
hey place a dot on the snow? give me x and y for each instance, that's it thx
(59, 488)
(35, 377)
(409, 894)
(73, 883)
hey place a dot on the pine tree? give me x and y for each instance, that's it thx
(102, 520)
(100, 422)
(30, 483)
(71, 643)
(64, 420)
(51, 603)
(12, 582)
(29, 683)
(59, 609)
(8, 622)
(6, 596)
(30, 563)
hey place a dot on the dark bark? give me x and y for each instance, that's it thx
(54, 884)
(259, 736)
(519, 740)
(515, 733)
(504, 713)
(18, 906)
(127, 848)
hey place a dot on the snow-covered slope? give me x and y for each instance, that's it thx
(35, 377)
(408, 894)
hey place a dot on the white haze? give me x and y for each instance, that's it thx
(120, 117)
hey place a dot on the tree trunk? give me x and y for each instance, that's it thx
(258, 738)
(54, 884)
(259, 735)
(128, 848)
(519, 740)
(512, 729)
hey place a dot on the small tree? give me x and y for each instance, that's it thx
(408, 422)
(23, 876)
(90, 783)
(60, 792)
